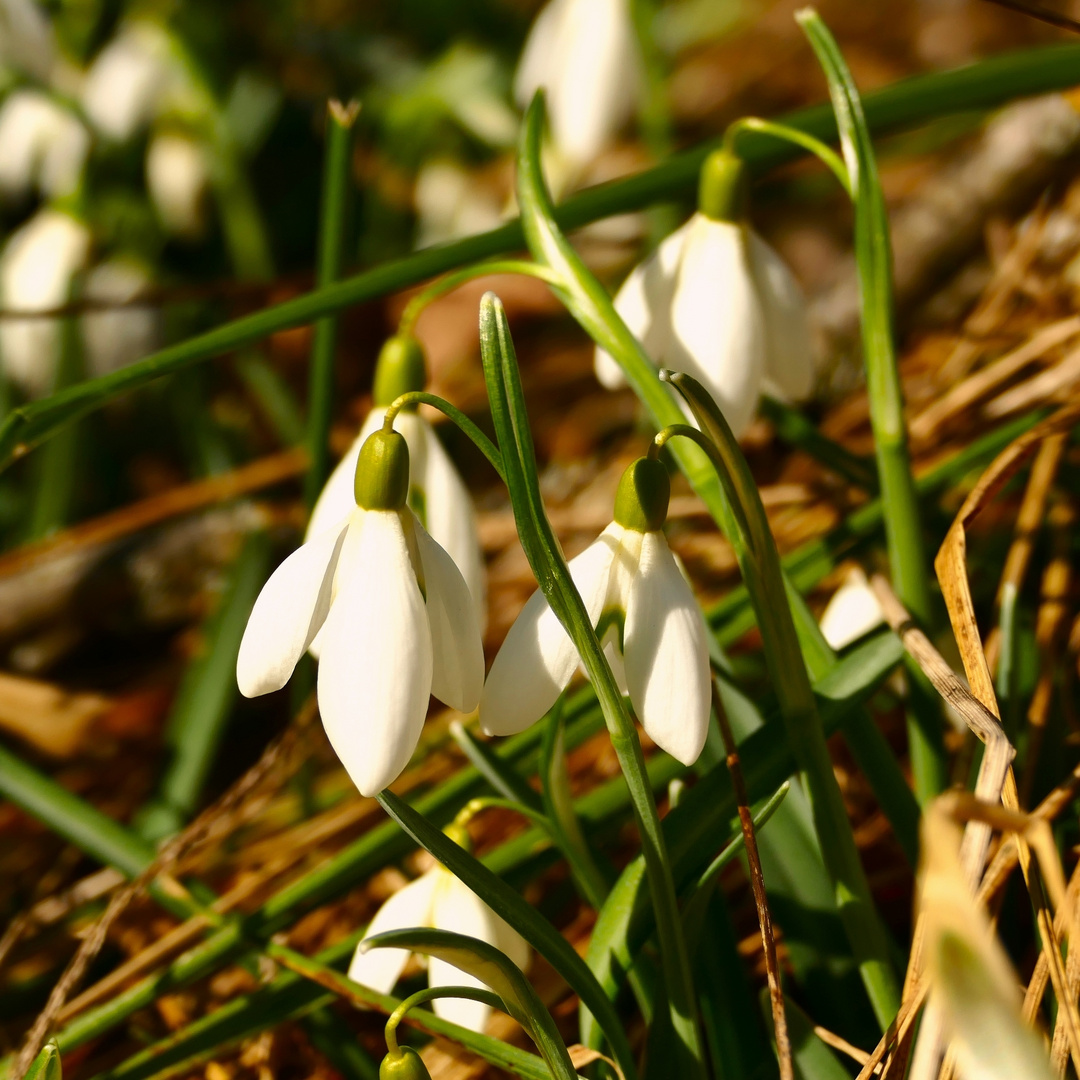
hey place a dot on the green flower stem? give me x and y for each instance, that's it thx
(903, 529)
(449, 282)
(549, 565)
(904, 104)
(759, 563)
(495, 802)
(432, 993)
(333, 217)
(802, 139)
(479, 439)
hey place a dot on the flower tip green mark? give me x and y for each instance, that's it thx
(641, 502)
(382, 472)
(400, 369)
(406, 1064)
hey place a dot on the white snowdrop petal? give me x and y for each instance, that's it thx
(457, 908)
(718, 329)
(288, 614)
(457, 650)
(537, 658)
(644, 304)
(853, 612)
(667, 654)
(540, 53)
(450, 518)
(610, 644)
(375, 665)
(127, 80)
(789, 346)
(410, 906)
(178, 177)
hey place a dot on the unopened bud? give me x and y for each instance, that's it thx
(723, 188)
(382, 472)
(406, 1064)
(641, 503)
(400, 369)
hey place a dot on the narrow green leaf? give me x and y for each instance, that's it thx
(500, 774)
(46, 1066)
(525, 919)
(494, 969)
(813, 1060)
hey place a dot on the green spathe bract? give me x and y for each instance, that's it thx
(641, 503)
(400, 369)
(382, 472)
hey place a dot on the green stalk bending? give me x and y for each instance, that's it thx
(549, 565)
(903, 529)
(337, 168)
(759, 563)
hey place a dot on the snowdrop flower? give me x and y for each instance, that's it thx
(388, 615)
(852, 613)
(647, 619)
(437, 493)
(178, 177)
(130, 79)
(42, 145)
(119, 336)
(583, 53)
(437, 900)
(451, 204)
(37, 266)
(714, 300)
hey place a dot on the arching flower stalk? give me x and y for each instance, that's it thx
(437, 493)
(387, 613)
(714, 300)
(645, 615)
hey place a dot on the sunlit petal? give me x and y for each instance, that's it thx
(457, 650)
(409, 907)
(537, 658)
(853, 611)
(789, 348)
(376, 663)
(450, 518)
(289, 613)
(667, 654)
(719, 331)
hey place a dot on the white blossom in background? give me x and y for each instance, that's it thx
(653, 635)
(451, 204)
(352, 595)
(26, 38)
(584, 54)
(715, 301)
(131, 80)
(438, 492)
(37, 266)
(117, 337)
(852, 613)
(437, 900)
(43, 146)
(178, 178)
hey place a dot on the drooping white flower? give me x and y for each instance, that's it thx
(43, 146)
(386, 611)
(852, 613)
(119, 336)
(130, 80)
(37, 266)
(439, 901)
(651, 627)
(714, 300)
(437, 492)
(584, 54)
(178, 177)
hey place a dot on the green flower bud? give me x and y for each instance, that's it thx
(382, 472)
(641, 502)
(400, 369)
(723, 187)
(406, 1064)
